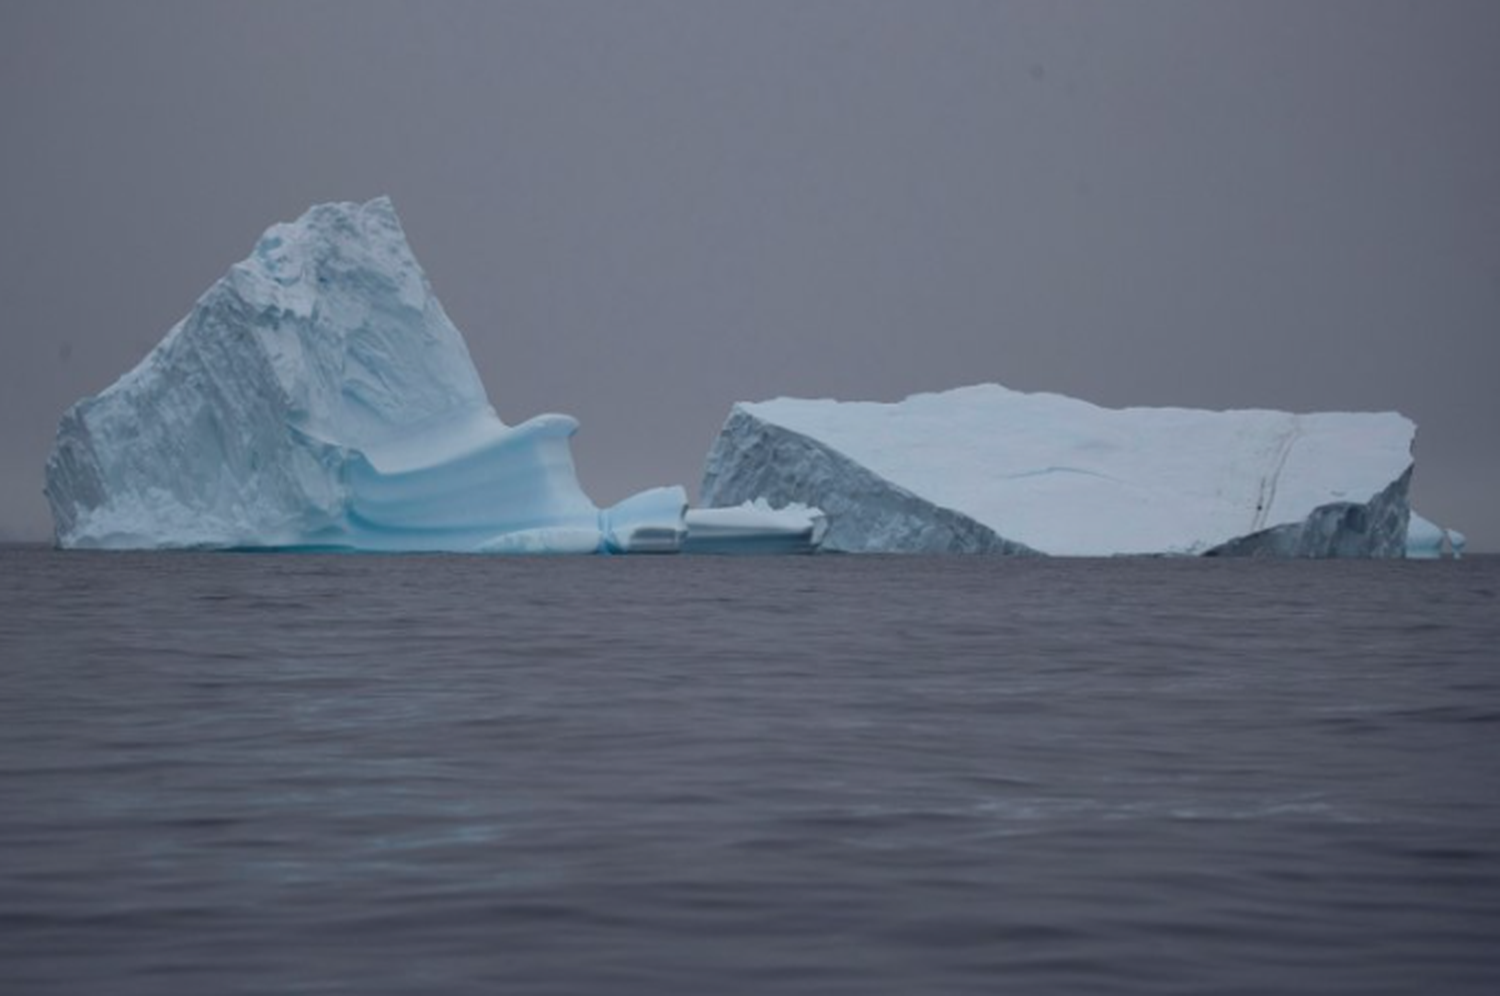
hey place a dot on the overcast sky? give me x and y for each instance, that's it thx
(640, 212)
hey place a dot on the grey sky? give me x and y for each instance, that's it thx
(639, 213)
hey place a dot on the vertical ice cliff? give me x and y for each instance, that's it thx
(985, 469)
(318, 396)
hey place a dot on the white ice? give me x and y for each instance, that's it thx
(1426, 540)
(755, 527)
(985, 468)
(318, 396)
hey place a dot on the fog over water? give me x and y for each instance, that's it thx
(641, 213)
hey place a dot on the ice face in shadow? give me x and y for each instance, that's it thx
(985, 469)
(318, 396)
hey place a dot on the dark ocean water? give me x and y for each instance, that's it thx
(231, 774)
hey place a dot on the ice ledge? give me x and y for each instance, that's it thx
(755, 527)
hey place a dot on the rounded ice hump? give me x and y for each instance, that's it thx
(317, 396)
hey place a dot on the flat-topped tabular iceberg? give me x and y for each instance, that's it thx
(985, 469)
(318, 396)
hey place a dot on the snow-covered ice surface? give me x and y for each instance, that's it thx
(318, 396)
(988, 469)
(755, 527)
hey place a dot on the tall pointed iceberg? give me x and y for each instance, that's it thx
(318, 396)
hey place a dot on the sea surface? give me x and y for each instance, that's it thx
(236, 773)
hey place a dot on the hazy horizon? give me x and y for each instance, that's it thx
(641, 214)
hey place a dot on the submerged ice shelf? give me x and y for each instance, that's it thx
(985, 469)
(318, 396)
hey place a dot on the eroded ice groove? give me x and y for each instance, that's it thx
(318, 396)
(1426, 540)
(755, 527)
(986, 469)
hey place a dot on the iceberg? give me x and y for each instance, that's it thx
(985, 469)
(755, 527)
(1426, 540)
(317, 396)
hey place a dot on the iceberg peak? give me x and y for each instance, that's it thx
(318, 395)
